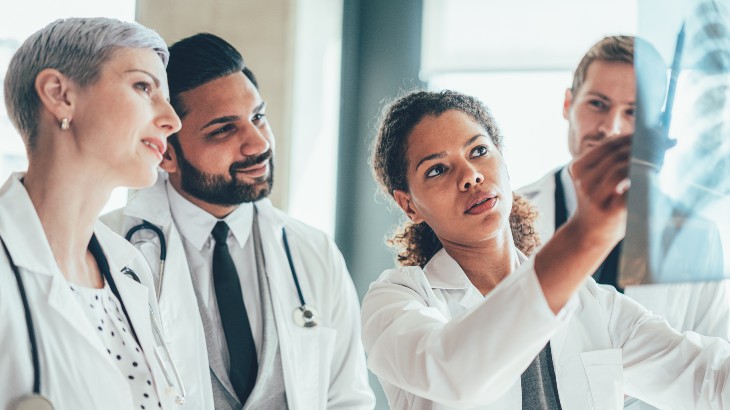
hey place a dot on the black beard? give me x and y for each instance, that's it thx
(226, 190)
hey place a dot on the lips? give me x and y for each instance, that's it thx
(254, 171)
(156, 144)
(481, 202)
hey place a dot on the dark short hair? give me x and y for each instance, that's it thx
(611, 49)
(199, 59)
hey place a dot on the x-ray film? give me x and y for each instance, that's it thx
(679, 202)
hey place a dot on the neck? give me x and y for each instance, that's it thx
(219, 211)
(68, 199)
(487, 263)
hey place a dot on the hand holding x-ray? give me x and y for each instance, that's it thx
(679, 204)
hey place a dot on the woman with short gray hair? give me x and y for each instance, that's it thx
(89, 98)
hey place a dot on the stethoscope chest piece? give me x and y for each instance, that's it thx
(34, 402)
(306, 316)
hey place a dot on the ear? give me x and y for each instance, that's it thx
(56, 92)
(403, 199)
(169, 160)
(567, 102)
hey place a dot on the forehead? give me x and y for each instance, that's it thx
(231, 95)
(611, 79)
(126, 59)
(445, 132)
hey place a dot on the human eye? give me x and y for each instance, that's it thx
(479, 151)
(259, 117)
(220, 131)
(144, 86)
(631, 112)
(598, 104)
(435, 171)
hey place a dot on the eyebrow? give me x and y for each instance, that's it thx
(221, 120)
(152, 76)
(443, 154)
(259, 107)
(602, 96)
(232, 118)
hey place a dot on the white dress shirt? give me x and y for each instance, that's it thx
(195, 226)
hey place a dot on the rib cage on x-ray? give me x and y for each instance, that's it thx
(679, 207)
(708, 79)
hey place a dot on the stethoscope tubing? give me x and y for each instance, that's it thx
(163, 253)
(29, 323)
(95, 248)
(291, 267)
(163, 248)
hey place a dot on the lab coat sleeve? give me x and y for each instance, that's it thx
(712, 317)
(663, 367)
(471, 360)
(349, 385)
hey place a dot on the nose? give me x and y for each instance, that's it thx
(470, 178)
(167, 119)
(254, 141)
(617, 123)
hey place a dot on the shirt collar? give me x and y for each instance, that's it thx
(443, 272)
(569, 191)
(198, 223)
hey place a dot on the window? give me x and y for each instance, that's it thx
(518, 58)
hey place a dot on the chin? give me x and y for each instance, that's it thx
(142, 179)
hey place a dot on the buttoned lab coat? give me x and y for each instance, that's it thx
(324, 366)
(703, 307)
(76, 371)
(436, 343)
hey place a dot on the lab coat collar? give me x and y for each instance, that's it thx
(26, 240)
(443, 272)
(117, 250)
(22, 231)
(150, 204)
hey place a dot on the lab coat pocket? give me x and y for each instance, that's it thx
(605, 373)
(316, 349)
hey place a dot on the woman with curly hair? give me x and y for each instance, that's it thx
(470, 321)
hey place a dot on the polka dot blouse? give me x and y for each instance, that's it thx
(105, 313)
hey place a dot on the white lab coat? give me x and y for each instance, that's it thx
(703, 307)
(436, 343)
(324, 366)
(76, 372)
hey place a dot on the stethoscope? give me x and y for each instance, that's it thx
(36, 401)
(160, 341)
(304, 315)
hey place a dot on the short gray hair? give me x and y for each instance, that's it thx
(77, 47)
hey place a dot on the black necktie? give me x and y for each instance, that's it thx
(241, 347)
(607, 273)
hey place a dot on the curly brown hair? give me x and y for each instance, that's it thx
(416, 244)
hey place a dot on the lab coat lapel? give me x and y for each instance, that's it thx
(23, 234)
(62, 301)
(284, 300)
(21, 229)
(151, 204)
(136, 297)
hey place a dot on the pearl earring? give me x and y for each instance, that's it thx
(65, 123)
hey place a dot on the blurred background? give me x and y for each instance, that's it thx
(326, 67)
